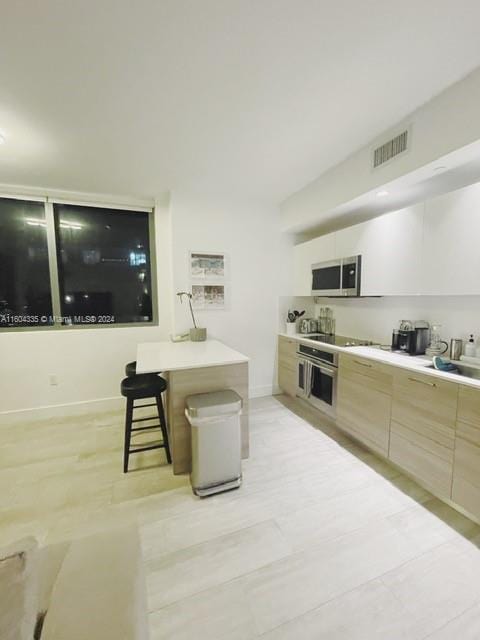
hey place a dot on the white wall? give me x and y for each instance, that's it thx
(89, 362)
(447, 123)
(259, 265)
(375, 318)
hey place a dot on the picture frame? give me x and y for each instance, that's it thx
(208, 296)
(207, 266)
(208, 280)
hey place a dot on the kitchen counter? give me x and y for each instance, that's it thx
(175, 356)
(410, 363)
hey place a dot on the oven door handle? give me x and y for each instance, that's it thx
(332, 371)
(309, 376)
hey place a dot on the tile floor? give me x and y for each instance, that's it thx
(323, 540)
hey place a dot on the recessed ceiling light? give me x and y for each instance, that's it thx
(2, 138)
(382, 194)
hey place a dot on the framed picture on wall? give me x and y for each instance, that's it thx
(208, 275)
(207, 266)
(208, 296)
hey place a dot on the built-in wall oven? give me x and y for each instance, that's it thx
(317, 371)
(337, 278)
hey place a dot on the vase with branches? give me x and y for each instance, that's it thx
(197, 334)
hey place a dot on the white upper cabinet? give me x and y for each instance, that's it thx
(391, 250)
(431, 248)
(306, 254)
(451, 249)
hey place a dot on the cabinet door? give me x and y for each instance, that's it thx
(391, 250)
(422, 435)
(451, 259)
(287, 365)
(304, 255)
(364, 401)
(466, 469)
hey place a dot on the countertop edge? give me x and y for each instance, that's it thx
(373, 353)
(200, 365)
(185, 355)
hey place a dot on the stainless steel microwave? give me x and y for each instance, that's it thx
(337, 278)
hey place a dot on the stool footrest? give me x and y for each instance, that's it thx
(145, 419)
(149, 448)
(153, 426)
(141, 406)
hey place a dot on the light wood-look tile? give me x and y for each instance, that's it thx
(323, 540)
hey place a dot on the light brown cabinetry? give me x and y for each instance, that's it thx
(422, 435)
(364, 398)
(466, 470)
(186, 382)
(287, 365)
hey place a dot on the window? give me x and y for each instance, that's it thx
(103, 265)
(100, 265)
(25, 298)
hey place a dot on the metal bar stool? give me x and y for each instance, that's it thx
(139, 387)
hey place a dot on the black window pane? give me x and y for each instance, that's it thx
(25, 298)
(104, 265)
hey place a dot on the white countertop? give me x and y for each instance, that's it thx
(403, 361)
(172, 356)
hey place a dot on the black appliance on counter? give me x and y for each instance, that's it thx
(413, 341)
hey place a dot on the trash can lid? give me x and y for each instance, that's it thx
(214, 403)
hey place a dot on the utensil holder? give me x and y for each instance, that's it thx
(291, 328)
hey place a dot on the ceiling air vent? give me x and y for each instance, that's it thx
(390, 149)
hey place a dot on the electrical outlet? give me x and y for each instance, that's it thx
(53, 379)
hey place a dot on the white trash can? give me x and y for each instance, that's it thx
(216, 441)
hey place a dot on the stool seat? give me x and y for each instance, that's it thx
(145, 385)
(131, 368)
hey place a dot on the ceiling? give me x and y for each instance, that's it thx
(247, 98)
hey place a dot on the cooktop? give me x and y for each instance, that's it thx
(339, 341)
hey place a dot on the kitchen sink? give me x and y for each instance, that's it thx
(464, 370)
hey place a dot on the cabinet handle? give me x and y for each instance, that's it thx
(429, 384)
(363, 364)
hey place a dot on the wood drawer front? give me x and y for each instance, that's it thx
(467, 461)
(426, 405)
(365, 413)
(427, 467)
(468, 432)
(466, 495)
(287, 346)
(287, 362)
(425, 442)
(368, 372)
(287, 381)
(469, 407)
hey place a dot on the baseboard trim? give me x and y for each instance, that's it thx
(260, 392)
(84, 407)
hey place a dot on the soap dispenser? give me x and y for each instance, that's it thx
(470, 347)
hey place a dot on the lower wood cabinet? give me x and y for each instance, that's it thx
(427, 426)
(287, 365)
(422, 436)
(364, 398)
(466, 469)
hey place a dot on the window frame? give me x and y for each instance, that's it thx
(48, 202)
